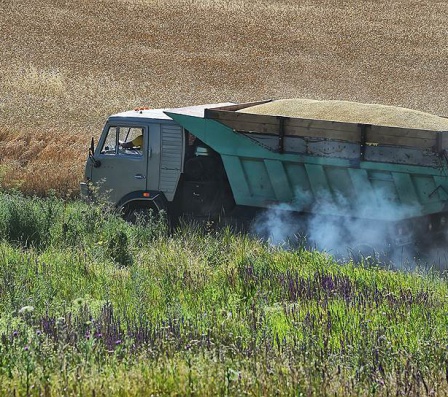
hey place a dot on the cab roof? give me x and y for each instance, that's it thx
(159, 114)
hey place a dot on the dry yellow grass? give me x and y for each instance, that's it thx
(66, 65)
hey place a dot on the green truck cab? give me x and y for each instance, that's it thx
(169, 170)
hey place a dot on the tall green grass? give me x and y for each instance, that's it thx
(91, 305)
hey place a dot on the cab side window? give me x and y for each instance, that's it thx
(111, 142)
(126, 141)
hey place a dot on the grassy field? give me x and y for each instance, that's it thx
(66, 65)
(90, 305)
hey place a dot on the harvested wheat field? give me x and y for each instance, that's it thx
(66, 65)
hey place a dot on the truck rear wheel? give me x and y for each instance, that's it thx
(366, 254)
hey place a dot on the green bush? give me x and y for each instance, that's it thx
(28, 222)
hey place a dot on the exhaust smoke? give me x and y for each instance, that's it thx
(364, 226)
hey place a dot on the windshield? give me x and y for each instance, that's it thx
(123, 141)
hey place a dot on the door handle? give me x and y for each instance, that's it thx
(139, 176)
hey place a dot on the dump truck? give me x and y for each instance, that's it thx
(351, 175)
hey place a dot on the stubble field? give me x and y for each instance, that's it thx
(66, 65)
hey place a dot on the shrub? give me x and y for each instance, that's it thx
(28, 221)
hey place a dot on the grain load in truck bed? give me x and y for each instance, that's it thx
(351, 112)
(340, 129)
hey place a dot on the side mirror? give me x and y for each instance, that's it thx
(96, 163)
(92, 147)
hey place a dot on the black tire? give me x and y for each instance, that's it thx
(365, 254)
(141, 213)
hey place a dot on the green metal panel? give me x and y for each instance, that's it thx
(257, 178)
(237, 179)
(340, 181)
(279, 180)
(425, 187)
(361, 183)
(260, 177)
(441, 187)
(300, 186)
(405, 188)
(385, 190)
(318, 179)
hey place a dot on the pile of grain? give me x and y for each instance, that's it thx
(351, 112)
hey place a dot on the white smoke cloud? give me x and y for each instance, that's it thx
(357, 231)
(277, 225)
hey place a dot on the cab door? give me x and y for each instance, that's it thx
(123, 155)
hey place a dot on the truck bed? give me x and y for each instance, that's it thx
(326, 167)
(332, 138)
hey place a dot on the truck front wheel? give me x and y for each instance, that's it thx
(143, 212)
